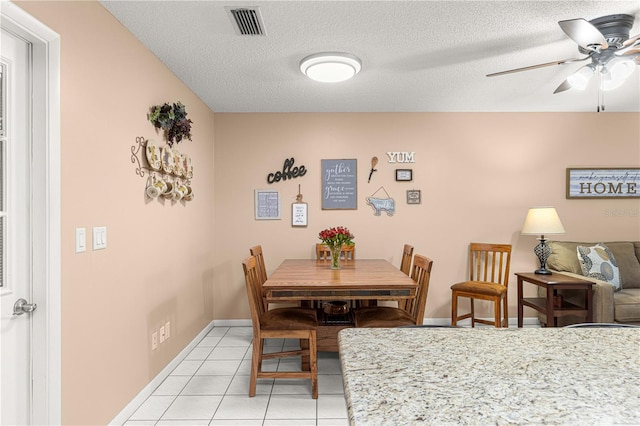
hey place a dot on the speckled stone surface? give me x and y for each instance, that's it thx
(487, 376)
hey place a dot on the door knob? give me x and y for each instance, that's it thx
(21, 306)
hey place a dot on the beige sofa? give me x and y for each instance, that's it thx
(609, 305)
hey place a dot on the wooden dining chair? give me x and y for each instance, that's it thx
(347, 252)
(413, 312)
(407, 254)
(279, 323)
(256, 251)
(488, 280)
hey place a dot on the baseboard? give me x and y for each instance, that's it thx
(233, 323)
(127, 411)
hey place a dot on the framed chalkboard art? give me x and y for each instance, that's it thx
(339, 184)
(267, 204)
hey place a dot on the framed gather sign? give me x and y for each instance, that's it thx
(611, 182)
(339, 184)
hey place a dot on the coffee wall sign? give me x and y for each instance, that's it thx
(288, 172)
(603, 183)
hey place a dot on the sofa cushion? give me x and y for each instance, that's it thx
(598, 262)
(625, 254)
(626, 306)
(564, 258)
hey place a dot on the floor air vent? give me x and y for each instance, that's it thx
(246, 20)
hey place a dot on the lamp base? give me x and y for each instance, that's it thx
(543, 272)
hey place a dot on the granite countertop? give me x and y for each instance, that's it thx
(482, 376)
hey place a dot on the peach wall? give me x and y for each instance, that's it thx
(478, 173)
(158, 263)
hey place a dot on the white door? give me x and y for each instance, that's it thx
(30, 391)
(15, 231)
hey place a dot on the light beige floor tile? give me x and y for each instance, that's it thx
(291, 407)
(330, 384)
(332, 407)
(186, 368)
(207, 385)
(191, 407)
(153, 408)
(218, 368)
(242, 407)
(240, 386)
(227, 352)
(172, 385)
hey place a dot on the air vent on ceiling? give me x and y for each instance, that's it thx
(246, 20)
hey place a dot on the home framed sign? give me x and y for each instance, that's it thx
(603, 182)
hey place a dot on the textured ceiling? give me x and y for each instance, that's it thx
(418, 56)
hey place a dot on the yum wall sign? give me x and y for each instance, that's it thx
(401, 157)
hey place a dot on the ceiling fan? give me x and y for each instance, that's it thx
(606, 42)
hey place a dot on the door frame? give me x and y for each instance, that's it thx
(46, 403)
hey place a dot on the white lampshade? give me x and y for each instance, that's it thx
(542, 220)
(616, 73)
(579, 79)
(330, 67)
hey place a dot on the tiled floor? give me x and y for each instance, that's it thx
(210, 387)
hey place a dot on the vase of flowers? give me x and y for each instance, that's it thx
(334, 238)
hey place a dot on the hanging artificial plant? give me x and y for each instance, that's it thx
(172, 119)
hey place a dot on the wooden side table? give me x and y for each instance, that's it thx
(545, 305)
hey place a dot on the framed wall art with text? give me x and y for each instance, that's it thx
(603, 182)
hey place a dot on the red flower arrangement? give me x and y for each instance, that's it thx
(336, 236)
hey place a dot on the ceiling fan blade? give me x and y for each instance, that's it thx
(584, 33)
(564, 86)
(631, 41)
(532, 67)
(632, 48)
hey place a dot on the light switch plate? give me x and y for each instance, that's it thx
(81, 240)
(99, 237)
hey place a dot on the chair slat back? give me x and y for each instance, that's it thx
(407, 254)
(421, 274)
(489, 262)
(256, 251)
(347, 252)
(254, 290)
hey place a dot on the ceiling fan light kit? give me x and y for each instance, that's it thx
(330, 67)
(580, 79)
(616, 73)
(606, 43)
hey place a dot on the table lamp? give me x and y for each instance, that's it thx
(542, 220)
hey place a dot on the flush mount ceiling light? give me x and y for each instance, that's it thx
(330, 67)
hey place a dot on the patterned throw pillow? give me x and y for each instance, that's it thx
(598, 262)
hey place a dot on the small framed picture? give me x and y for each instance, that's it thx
(267, 204)
(413, 196)
(404, 175)
(299, 214)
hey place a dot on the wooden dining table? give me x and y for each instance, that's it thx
(298, 280)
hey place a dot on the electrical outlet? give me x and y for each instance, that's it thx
(167, 329)
(154, 340)
(163, 336)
